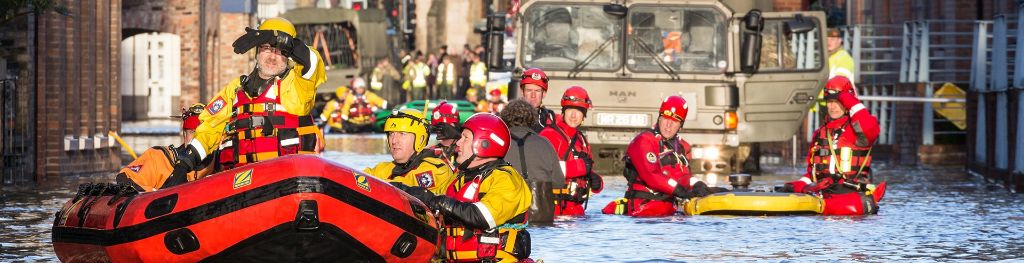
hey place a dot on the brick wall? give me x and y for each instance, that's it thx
(228, 65)
(181, 17)
(76, 82)
(789, 5)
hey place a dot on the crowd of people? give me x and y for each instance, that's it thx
(490, 175)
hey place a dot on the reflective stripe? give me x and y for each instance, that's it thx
(227, 144)
(856, 108)
(497, 139)
(805, 180)
(312, 63)
(561, 164)
(489, 240)
(199, 148)
(487, 214)
(693, 180)
(291, 141)
(672, 182)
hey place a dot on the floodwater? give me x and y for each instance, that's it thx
(928, 214)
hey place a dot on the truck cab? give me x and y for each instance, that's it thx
(749, 75)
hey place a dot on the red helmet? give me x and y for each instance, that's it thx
(190, 116)
(576, 96)
(534, 76)
(495, 93)
(444, 113)
(839, 84)
(674, 107)
(490, 135)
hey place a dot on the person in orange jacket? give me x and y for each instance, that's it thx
(152, 168)
(573, 149)
(658, 167)
(494, 104)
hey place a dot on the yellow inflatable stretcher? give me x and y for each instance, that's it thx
(755, 203)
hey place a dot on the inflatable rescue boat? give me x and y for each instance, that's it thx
(743, 201)
(290, 209)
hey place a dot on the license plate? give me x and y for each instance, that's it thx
(623, 119)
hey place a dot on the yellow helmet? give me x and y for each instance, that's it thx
(411, 121)
(340, 92)
(279, 24)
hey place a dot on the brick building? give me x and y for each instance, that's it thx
(62, 96)
(228, 65)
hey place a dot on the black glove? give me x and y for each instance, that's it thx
(786, 188)
(467, 213)
(186, 160)
(296, 50)
(596, 183)
(698, 190)
(420, 193)
(252, 38)
(400, 186)
(715, 190)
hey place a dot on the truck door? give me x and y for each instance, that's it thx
(792, 70)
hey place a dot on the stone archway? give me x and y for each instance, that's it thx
(150, 76)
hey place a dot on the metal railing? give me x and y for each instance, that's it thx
(16, 134)
(993, 74)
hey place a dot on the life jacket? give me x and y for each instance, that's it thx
(360, 112)
(475, 245)
(261, 129)
(672, 157)
(545, 118)
(577, 165)
(446, 154)
(834, 152)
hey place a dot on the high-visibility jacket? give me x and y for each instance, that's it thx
(478, 75)
(274, 116)
(416, 74)
(502, 197)
(446, 74)
(840, 63)
(332, 114)
(428, 172)
(149, 172)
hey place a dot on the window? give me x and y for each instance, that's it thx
(683, 38)
(788, 51)
(567, 36)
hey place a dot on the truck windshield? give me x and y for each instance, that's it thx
(562, 36)
(685, 38)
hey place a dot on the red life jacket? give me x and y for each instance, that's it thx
(261, 129)
(834, 151)
(474, 245)
(360, 112)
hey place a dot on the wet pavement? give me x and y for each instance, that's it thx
(928, 214)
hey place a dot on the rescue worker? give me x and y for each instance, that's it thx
(445, 123)
(533, 86)
(839, 159)
(657, 167)
(412, 166)
(265, 114)
(446, 88)
(494, 104)
(416, 73)
(484, 209)
(359, 107)
(574, 156)
(534, 158)
(331, 114)
(152, 168)
(382, 80)
(477, 78)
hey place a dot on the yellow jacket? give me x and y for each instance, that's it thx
(840, 63)
(328, 114)
(297, 94)
(505, 194)
(431, 173)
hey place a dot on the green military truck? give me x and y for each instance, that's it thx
(350, 41)
(749, 74)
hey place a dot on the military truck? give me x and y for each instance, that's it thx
(350, 41)
(748, 73)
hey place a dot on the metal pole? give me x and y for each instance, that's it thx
(793, 152)
(928, 118)
(999, 85)
(911, 99)
(978, 81)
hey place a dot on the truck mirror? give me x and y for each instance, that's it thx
(750, 50)
(496, 41)
(616, 9)
(798, 25)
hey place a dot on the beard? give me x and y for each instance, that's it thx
(269, 71)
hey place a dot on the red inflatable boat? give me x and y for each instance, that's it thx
(291, 209)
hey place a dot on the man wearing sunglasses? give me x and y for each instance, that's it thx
(658, 167)
(412, 165)
(151, 170)
(839, 160)
(573, 151)
(265, 114)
